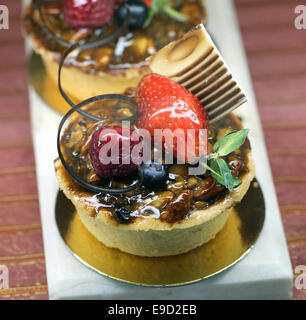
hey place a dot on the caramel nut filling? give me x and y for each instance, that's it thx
(171, 203)
(136, 45)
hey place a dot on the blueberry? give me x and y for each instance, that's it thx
(139, 13)
(122, 213)
(154, 174)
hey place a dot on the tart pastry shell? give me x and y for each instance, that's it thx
(82, 85)
(149, 236)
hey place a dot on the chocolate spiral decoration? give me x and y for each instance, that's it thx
(82, 182)
(119, 97)
(82, 45)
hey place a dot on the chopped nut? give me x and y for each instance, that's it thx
(133, 192)
(175, 186)
(36, 16)
(142, 46)
(162, 199)
(207, 189)
(178, 207)
(158, 201)
(102, 56)
(200, 204)
(52, 9)
(179, 169)
(124, 113)
(131, 91)
(66, 35)
(79, 34)
(234, 164)
(92, 177)
(237, 151)
(84, 55)
(192, 182)
(76, 136)
(192, 12)
(70, 144)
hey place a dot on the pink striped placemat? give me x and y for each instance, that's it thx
(276, 53)
(21, 245)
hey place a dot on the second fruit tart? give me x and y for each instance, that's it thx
(120, 63)
(153, 208)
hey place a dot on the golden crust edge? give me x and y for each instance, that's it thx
(124, 74)
(81, 85)
(155, 243)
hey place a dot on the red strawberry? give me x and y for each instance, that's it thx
(88, 13)
(164, 104)
(147, 2)
(115, 159)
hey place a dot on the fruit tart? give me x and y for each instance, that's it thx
(150, 205)
(121, 34)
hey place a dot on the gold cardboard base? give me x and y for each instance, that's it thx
(43, 84)
(230, 245)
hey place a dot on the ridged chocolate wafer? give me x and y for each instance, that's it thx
(195, 63)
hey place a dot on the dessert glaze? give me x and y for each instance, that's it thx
(171, 203)
(129, 51)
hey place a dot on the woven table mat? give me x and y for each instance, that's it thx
(276, 52)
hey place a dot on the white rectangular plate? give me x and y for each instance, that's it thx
(265, 273)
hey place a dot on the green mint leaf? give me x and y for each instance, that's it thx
(230, 142)
(224, 175)
(212, 171)
(164, 5)
(158, 5)
(175, 14)
(221, 172)
(149, 19)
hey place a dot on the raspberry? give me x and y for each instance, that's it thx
(112, 138)
(88, 13)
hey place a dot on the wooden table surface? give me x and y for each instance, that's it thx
(276, 52)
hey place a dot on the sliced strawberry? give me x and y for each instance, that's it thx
(164, 104)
